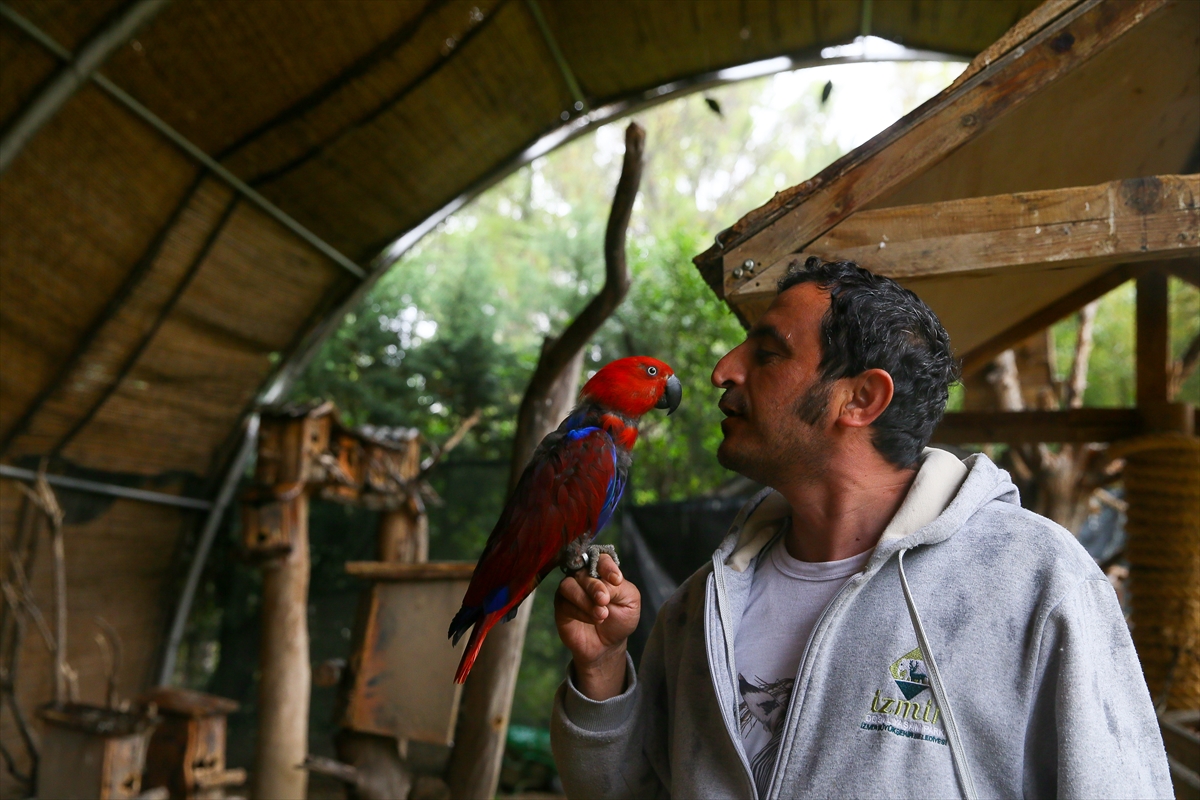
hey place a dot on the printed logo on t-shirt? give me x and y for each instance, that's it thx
(764, 703)
(911, 715)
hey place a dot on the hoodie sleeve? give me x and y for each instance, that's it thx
(614, 748)
(1094, 732)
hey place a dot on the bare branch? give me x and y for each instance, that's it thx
(616, 285)
(451, 443)
(1078, 379)
(1183, 368)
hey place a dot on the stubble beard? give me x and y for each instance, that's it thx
(795, 453)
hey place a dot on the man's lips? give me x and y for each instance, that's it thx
(730, 407)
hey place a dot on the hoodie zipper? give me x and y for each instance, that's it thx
(793, 706)
(726, 628)
(793, 714)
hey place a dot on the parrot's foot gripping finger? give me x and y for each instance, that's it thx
(573, 557)
(592, 557)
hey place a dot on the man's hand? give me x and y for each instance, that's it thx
(595, 617)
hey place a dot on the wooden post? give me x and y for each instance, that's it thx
(1159, 414)
(286, 675)
(284, 686)
(403, 536)
(1152, 344)
(377, 764)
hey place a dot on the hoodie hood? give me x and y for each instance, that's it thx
(945, 493)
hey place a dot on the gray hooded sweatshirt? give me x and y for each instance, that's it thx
(980, 653)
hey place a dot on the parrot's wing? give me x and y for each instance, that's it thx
(568, 491)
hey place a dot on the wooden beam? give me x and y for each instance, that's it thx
(796, 217)
(1121, 221)
(1153, 345)
(1186, 269)
(1032, 427)
(398, 571)
(981, 355)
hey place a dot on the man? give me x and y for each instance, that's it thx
(884, 620)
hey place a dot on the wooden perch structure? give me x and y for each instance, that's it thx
(796, 217)
(302, 452)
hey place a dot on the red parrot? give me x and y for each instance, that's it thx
(565, 496)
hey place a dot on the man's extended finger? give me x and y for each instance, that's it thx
(609, 570)
(597, 590)
(573, 594)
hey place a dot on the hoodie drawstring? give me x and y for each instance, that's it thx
(957, 752)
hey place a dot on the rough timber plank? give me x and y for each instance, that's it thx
(397, 571)
(1117, 222)
(796, 217)
(1032, 427)
(1153, 340)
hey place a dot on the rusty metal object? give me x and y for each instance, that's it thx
(401, 659)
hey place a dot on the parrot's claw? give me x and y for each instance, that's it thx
(578, 556)
(592, 556)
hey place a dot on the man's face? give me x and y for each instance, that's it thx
(774, 401)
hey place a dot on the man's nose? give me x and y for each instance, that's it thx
(728, 371)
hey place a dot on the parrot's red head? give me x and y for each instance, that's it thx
(632, 386)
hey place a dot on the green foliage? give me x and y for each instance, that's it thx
(1112, 379)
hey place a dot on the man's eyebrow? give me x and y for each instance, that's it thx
(763, 331)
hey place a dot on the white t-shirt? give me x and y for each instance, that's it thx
(786, 599)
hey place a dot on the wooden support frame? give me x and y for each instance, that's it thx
(1133, 220)
(981, 355)
(795, 218)
(1153, 348)
(1033, 427)
(1077, 425)
(1186, 270)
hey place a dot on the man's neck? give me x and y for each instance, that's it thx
(845, 511)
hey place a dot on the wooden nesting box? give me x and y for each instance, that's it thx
(91, 752)
(270, 520)
(187, 751)
(402, 667)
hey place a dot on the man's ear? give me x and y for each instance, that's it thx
(870, 393)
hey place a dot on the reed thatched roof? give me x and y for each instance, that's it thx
(145, 300)
(147, 305)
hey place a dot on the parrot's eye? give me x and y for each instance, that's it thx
(652, 371)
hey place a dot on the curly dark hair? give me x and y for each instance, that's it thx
(875, 323)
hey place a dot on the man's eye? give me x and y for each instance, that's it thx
(762, 355)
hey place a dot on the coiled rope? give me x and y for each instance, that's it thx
(1162, 487)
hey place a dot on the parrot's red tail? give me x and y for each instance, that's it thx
(473, 644)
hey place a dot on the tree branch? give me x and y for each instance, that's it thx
(1078, 379)
(1183, 368)
(616, 285)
